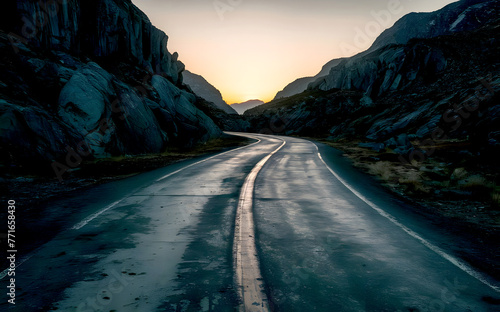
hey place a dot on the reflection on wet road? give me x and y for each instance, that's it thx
(175, 239)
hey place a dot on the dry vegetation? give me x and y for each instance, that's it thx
(463, 193)
(458, 195)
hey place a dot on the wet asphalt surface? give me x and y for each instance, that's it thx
(163, 241)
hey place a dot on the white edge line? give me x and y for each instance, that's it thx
(458, 263)
(204, 160)
(6, 271)
(85, 221)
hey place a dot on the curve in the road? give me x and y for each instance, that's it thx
(85, 221)
(93, 216)
(248, 276)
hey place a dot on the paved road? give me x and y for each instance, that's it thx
(279, 225)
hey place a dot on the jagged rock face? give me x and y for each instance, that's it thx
(460, 16)
(205, 90)
(100, 28)
(457, 17)
(301, 84)
(94, 79)
(194, 124)
(388, 69)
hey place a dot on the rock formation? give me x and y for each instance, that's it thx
(301, 84)
(205, 90)
(90, 79)
(456, 17)
(378, 69)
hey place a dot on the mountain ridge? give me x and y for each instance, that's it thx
(301, 84)
(463, 15)
(201, 87)
(401, 32)
(241, 108)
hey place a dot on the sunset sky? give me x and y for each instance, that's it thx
(251, 49)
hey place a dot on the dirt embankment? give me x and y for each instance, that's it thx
(460, 194)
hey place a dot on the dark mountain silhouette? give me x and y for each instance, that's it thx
(456, 17)
(242, 107)
(205, 90)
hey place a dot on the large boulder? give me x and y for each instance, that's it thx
(83, 100)
(138, 130)
(109, 114)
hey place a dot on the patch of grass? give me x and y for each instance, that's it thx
(495, 199)
(477, 184)
(414, 182)
(382, 169)
(459, 174)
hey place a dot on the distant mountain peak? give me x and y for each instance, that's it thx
(242, 107)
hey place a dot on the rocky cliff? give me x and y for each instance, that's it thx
(459, 16)
(390, 68)
(205, 90)
(301, 84)
(90, 79)
(405, 98)
(456, 17)
(103, 29)
(387, 66)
